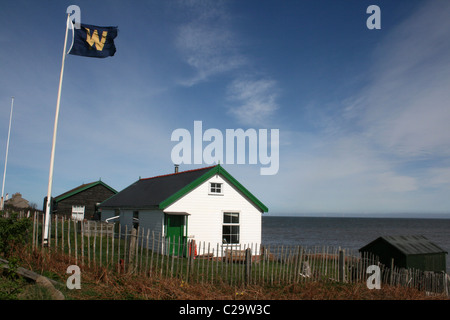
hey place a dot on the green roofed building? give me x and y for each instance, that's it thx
(411, 251)
(82, 202)
(207, 205)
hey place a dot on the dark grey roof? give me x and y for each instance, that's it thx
(80, 189)
(150, 192)
(410, 244)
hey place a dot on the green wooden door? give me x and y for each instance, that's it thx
(175, 239)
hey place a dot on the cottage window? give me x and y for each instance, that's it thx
(230, 228)
(215, 188)
(78, 213)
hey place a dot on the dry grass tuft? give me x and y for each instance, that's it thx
(99, 283)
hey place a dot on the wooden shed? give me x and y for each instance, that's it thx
(82, 202)
(411, 251)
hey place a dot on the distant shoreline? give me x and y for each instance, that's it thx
(362, 216)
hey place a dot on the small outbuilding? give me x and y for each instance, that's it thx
(82, 202)
(409, 252)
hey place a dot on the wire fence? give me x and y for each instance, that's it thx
(149, 253)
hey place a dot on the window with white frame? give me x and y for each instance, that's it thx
(78, 213)
(230, 228)
(215, 188)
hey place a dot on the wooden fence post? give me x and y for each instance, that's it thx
(248, 265)
(189, 260)
(34, 231)
(75, 239)
(62, 234)
(391, 280)
(131, 251)
(341, 268)
(82, 241)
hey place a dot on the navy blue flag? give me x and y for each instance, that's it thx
(93, 41)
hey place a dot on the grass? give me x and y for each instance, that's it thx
(14, 287)
(107, 251)
(100, 283)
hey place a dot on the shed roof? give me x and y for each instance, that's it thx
(409, 244)
(81, 188)
(162, 191)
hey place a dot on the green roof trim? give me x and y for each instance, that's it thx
(82, 188)
(215, 170)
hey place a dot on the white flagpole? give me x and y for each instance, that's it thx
(6, 157)
(52, 158)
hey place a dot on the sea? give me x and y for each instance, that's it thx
(350, 232)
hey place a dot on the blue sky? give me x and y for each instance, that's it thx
(363, 114)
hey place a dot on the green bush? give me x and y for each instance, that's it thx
(13, 232)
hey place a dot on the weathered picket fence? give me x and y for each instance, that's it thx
(149, 253)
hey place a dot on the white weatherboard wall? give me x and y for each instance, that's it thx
(152, 220)
(107, 213)
(148, 219)
(206, 214)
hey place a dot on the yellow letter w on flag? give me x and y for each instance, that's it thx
(94, 39)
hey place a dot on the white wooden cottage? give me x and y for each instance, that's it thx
(207, 205)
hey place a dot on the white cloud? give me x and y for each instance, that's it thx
(256, 100)
(369, 155)
(404, 108)
(208, 44)
(339, 173)
(438, 177)
(392, 182)
(208, 50)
